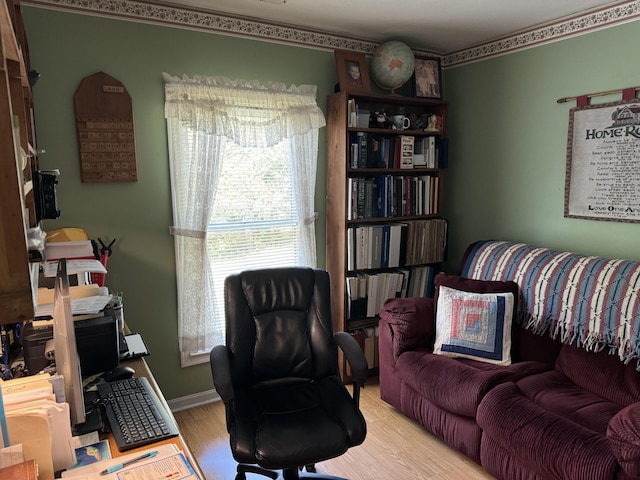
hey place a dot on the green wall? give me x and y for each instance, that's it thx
(507, 158)
(509, 138)
(67, 47)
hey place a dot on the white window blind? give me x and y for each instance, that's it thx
(254, 221)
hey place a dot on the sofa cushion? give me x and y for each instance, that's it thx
(554, 392)
(457, 384)
(624, 434)
(548, 444)
(474, 325)
(600, 373)
(412, 320)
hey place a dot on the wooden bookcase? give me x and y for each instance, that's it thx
(345, 213)
(16, 187)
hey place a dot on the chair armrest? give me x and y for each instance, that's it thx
(221, 371)
(623, 433)
(411, 321)
(355, 357)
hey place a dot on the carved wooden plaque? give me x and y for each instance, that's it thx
(104, 119)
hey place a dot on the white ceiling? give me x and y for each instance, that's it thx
(439, 26)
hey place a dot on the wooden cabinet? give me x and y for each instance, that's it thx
(17, 158)
(370, 190)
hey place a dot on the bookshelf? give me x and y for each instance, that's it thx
(17, 161)
(386, 231)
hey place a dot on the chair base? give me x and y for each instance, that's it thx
(287, 474)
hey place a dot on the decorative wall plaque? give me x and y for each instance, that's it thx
(603, 162)
(104, 119)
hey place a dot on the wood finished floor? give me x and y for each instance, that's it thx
(396, 448)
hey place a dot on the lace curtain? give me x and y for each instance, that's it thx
(203, 114)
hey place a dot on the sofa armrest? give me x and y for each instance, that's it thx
(411, 322)
(623, 433)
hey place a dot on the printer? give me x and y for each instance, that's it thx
(97, 340)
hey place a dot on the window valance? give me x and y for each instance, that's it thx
(240, 110)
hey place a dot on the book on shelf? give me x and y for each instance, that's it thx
(361, 197)
(419, 158)
(384, 249)
(370, 193)
(353, 197)
(361, 245)
(363, 150)
(372, 294)
(351, 248)
(406, 149)
(430, 152)
(353, 154)
(397, 233)
(375, 247)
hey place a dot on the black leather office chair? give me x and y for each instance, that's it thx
(286, 406)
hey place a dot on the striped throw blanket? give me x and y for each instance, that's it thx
(590, 301)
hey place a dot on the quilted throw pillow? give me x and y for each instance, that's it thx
(474, 325)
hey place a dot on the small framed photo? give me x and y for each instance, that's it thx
(353, 74)
(428, 78)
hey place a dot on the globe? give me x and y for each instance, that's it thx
(392, 65)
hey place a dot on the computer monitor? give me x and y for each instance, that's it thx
(66, 352)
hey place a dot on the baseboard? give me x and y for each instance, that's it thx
(194, 400)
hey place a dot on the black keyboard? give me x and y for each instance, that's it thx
(135, 414)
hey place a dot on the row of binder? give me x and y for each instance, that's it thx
(367, 292)
(392, 245)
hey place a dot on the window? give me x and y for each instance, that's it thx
(253, 223)
(243, 167)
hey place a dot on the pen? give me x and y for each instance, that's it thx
(120, 466)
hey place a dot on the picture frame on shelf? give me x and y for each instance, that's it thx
(353, 74)
(428, 77)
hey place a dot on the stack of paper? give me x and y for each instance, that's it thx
(40, 424)
(85, 299)
(76, 249)
(50, 267)
(82, 259)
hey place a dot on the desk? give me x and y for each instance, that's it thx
(142, 370)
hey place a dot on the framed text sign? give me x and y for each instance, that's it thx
(603, 162)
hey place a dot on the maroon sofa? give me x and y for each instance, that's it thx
(566, 407)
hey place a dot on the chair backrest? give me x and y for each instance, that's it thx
(278, 325)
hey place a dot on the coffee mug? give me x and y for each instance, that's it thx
(400, 121)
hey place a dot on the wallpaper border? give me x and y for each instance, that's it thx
(605, 17)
